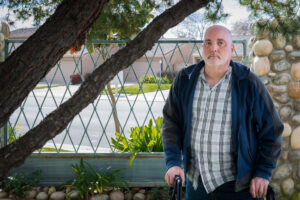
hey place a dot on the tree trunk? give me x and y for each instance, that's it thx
(30, 62)
(14, 154)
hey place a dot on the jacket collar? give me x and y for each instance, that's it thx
(240, 71)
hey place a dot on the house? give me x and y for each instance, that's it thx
(166, 56)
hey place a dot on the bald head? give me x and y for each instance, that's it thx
(218, 28)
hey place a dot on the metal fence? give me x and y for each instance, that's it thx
(142, 90)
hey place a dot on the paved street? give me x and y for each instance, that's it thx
(91, 123)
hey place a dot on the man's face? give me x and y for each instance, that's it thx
(217, 47)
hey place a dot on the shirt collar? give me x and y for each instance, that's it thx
(226, 76)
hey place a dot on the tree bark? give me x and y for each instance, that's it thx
(30, 62)
(14, 154)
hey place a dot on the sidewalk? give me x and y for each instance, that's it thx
(61, 91)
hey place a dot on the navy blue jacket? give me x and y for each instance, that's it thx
(256, 125)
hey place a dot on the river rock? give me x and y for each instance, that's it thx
(294, 155)
(5, 30)
(294, 56)
(287, 186)
(295, 138)
(296, 41)
(100, 197)
(282, 98)
(285, 112)
(42, 196)
(261, 65)
(277, 55)
(262, 47)
(116, 195)
(296, 119)
(282, 79)
(139, 196)
(74, 194)
(277, 88)
(282, 171)
(280, 66)
(287, 130)
(57, 196)
(288, 48)
(297, 104)
(31, 194)
(279, 42)
(294, 90)
(251, 42)
(272, 75)
(295, 71)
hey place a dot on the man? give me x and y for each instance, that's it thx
(221, 120)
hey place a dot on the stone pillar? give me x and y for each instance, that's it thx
(4, 34)
(277, 62)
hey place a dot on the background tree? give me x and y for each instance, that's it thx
(241, 28)
(69, 24)
(193, 26)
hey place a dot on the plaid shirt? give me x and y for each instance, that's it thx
(212, 149)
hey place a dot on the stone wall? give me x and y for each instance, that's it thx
(4, 34)
(277, 61)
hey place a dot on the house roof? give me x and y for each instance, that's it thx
(22, 33)
(157, 49)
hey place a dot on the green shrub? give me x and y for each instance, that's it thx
(147, 79)
(151, 79)
(144, 139)
(87, 180)
(12, 133)
(20, 184)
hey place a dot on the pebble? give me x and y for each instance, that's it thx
(283, 171)
(100, 197)
(58, 196)
(287, 186)
(116, 195)
(42, 196)
(74, 194)
(139, 196)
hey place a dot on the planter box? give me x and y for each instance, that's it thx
(147, 170)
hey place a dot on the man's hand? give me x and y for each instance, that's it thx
(259, 187)
(171, 173)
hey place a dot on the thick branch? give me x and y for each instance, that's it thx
(13, 155)
(30, 62)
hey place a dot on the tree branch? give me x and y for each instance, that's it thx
(89, 90)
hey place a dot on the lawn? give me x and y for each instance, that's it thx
(146, 87)
(48, 149)
(43, 87)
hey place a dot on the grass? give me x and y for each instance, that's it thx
(147, 87)
(43, 87)
(48, 149)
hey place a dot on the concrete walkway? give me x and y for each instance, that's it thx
(61, 91)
